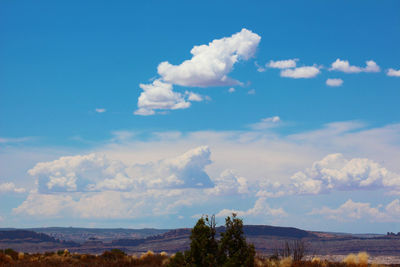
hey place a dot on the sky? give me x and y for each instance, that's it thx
(150, 114)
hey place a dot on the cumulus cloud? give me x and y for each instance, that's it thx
(229, 183)
(393, 72)
(334, 82)
(351, 211)
(10, 187)
(344, 66)
(301, 72)
(261, 208)
(282, 64)
(334, 172)
(266, 123)
(159, 95)
(210, 64)
(231, 90)
(265, 160)
(98, 187)
(93, 172)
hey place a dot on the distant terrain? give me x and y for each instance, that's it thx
(267, 239)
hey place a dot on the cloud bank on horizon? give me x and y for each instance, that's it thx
(86, 186)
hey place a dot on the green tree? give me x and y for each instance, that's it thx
(233, 248)
(206, 251)
(203, 245)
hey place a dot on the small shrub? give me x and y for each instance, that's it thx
(12, 253)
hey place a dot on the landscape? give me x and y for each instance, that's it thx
(208, 133)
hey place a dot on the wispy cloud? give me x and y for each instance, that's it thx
(4, 140)
(100, 110)
(266, 123)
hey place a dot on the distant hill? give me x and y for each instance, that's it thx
(26, 236)
(81, 235)
(266, 239)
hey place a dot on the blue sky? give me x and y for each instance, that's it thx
(97, 129)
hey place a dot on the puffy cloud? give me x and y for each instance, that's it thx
(10, 187)
(184, 171)
(334, 82)
(100, 110)
(334, 172)
(231, 90)
(229, 183)
(393, 72)
(266, 123)
(282, 64)
(74, 173)
(344, 66)
(211, 63)
(94, 186)
(351, 210)
(371, 66)
(209, 66)
(301, 72)
(261, 208)
(96, 172)
(159, 95)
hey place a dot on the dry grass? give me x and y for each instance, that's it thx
(117, 258)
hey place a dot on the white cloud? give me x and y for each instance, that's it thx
(393, 72)
(261, 208)
(211, 63)
(334, 82)
(10, 187)
(344, 66)
(259, 68)
(263, 162)
(229, 183)
(301, 72)
(194, 97)
(96, 172)
(159, 95)
(4, 140)
(266, 123)
(251, 92)
(351, 211)
(282, 64)
(100, 110)
(231, 90)
(209, 66)
(371, 67)
(334, 172)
